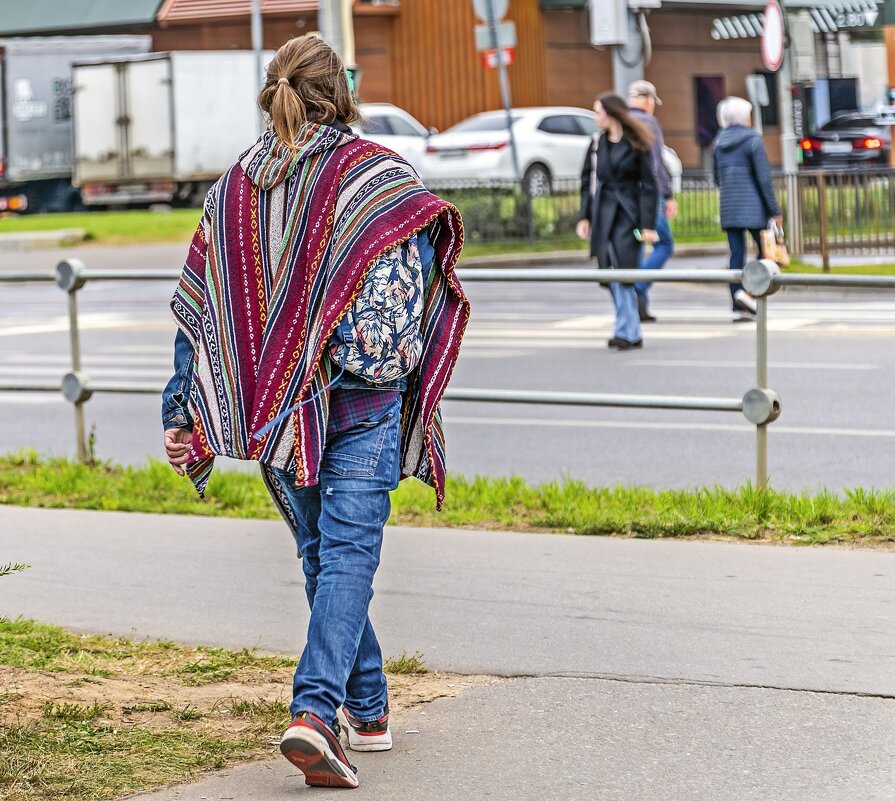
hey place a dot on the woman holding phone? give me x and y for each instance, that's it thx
(618, 206)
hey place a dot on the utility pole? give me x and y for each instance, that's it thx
(337, 27)
(258, 46)
(504, 86)
(627, 59)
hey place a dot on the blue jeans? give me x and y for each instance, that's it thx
(339, 538)
(736, 239)
(627, 319)
(662, 251)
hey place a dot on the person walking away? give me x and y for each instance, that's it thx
(618, 206)
(319, 320)
(748, 201)
(642, 100)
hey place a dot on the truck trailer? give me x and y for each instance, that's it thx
(161, 128)
(36, 116)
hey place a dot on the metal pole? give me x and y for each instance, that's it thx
(346, 12)
(75, 340)
(504, 87)
(761, 363)
(823, 231)
(258, 46)
(330, 17)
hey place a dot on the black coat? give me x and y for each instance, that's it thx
(623, 197)
(744, 176)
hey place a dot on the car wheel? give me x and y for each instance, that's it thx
(537, 180)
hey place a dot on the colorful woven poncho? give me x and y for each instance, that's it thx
(279, 257)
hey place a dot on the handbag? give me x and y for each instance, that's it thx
(380, 337)
(773, 245)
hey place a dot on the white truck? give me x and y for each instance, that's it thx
(36, 116)
(162, 128)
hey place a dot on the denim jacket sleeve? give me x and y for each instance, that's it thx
(176, 395)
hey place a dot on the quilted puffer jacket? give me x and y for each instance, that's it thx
(743, 173)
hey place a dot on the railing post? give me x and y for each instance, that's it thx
(70, 280)
(761, 405)
(822, 220)
(761, 382)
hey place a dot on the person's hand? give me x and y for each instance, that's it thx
(671, 208)
(582, 228)
(778, 221)
(649, 236)
(177, 447)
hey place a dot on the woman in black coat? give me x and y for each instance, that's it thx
(748, 201)
(618, 206)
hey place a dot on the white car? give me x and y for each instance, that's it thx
(397, 130)
(552, 143)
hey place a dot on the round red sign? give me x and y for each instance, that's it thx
(773, 40)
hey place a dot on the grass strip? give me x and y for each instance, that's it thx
(859, 516)
(114, 227)
(87, 718)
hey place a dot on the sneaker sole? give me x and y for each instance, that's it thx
(311, 754)
(365, 742)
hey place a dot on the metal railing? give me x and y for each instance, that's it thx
(760, 404)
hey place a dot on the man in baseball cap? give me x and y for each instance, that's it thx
(643, 99)
(644, 89)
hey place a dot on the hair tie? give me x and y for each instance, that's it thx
(283, 80)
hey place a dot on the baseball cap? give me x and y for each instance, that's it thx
(644, 89)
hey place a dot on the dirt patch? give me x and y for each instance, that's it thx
(228, 708)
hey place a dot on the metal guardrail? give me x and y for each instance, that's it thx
(760, 404)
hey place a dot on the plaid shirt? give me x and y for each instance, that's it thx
(348, 407)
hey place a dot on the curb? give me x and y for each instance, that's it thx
(37, 240)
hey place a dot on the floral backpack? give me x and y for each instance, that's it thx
(380, 338)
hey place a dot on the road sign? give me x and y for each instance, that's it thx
(498, 7)
(506, 36)
(489, 57)
(773, 43)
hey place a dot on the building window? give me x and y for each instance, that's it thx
(769, 113)
(708, 92)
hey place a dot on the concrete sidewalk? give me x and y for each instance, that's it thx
(642, 670)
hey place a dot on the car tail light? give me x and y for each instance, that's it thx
(2, 167)
(475, 148)
(491, 146)
(809, 144)
(869, 143)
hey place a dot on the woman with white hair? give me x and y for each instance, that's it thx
(748, 201)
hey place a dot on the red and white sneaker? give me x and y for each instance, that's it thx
(371, 735)
(314, 748)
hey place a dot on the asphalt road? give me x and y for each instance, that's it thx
(831, 361)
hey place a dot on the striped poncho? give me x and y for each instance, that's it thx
(280, 255)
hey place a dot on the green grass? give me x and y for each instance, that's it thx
(859, 516)
(146, 727)
(799, 266)
(413, 665)
(99, 749)
(114, 227)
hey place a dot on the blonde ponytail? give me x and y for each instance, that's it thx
(306, 82)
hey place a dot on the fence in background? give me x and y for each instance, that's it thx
(834, 213)
(760, 404)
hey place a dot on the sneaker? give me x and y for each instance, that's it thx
(643, 311)
(314, 748)
(370, 735)
(744, 302)
(625, 344)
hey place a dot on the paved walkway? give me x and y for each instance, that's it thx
(673, 671)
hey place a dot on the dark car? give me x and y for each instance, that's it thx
(849, 140)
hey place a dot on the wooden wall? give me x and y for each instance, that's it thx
(227, 34)
(439, 76)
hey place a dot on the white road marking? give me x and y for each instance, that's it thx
(740, 365)
(531, 422)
